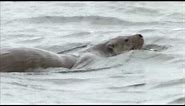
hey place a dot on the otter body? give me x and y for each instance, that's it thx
(21, 59)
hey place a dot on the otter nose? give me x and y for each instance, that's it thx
(139, 35)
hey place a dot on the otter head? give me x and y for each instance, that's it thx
(124, 43)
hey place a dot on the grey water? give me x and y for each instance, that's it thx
(153, 75)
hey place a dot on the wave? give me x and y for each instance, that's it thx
(134, 85)
(97, 20)
(179, 100)
(89, 70)
(142, 10)
(31, 40)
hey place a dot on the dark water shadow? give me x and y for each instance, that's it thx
(170, 83)
(155, 47)
(179, 101)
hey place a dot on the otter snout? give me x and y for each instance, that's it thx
(138, 35)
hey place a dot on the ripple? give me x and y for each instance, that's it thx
(142, 10)
(130, 85)
(31, 40)
(65, 81)
(170, 83)
(77, 34)
(147, 30)
(155, 47)
(90, 69)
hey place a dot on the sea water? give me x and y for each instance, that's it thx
(153, 75)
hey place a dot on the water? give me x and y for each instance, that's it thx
(154, 75)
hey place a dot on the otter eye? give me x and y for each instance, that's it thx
(113, 45)
(126, 40)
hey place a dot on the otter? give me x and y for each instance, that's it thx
(22, 59)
